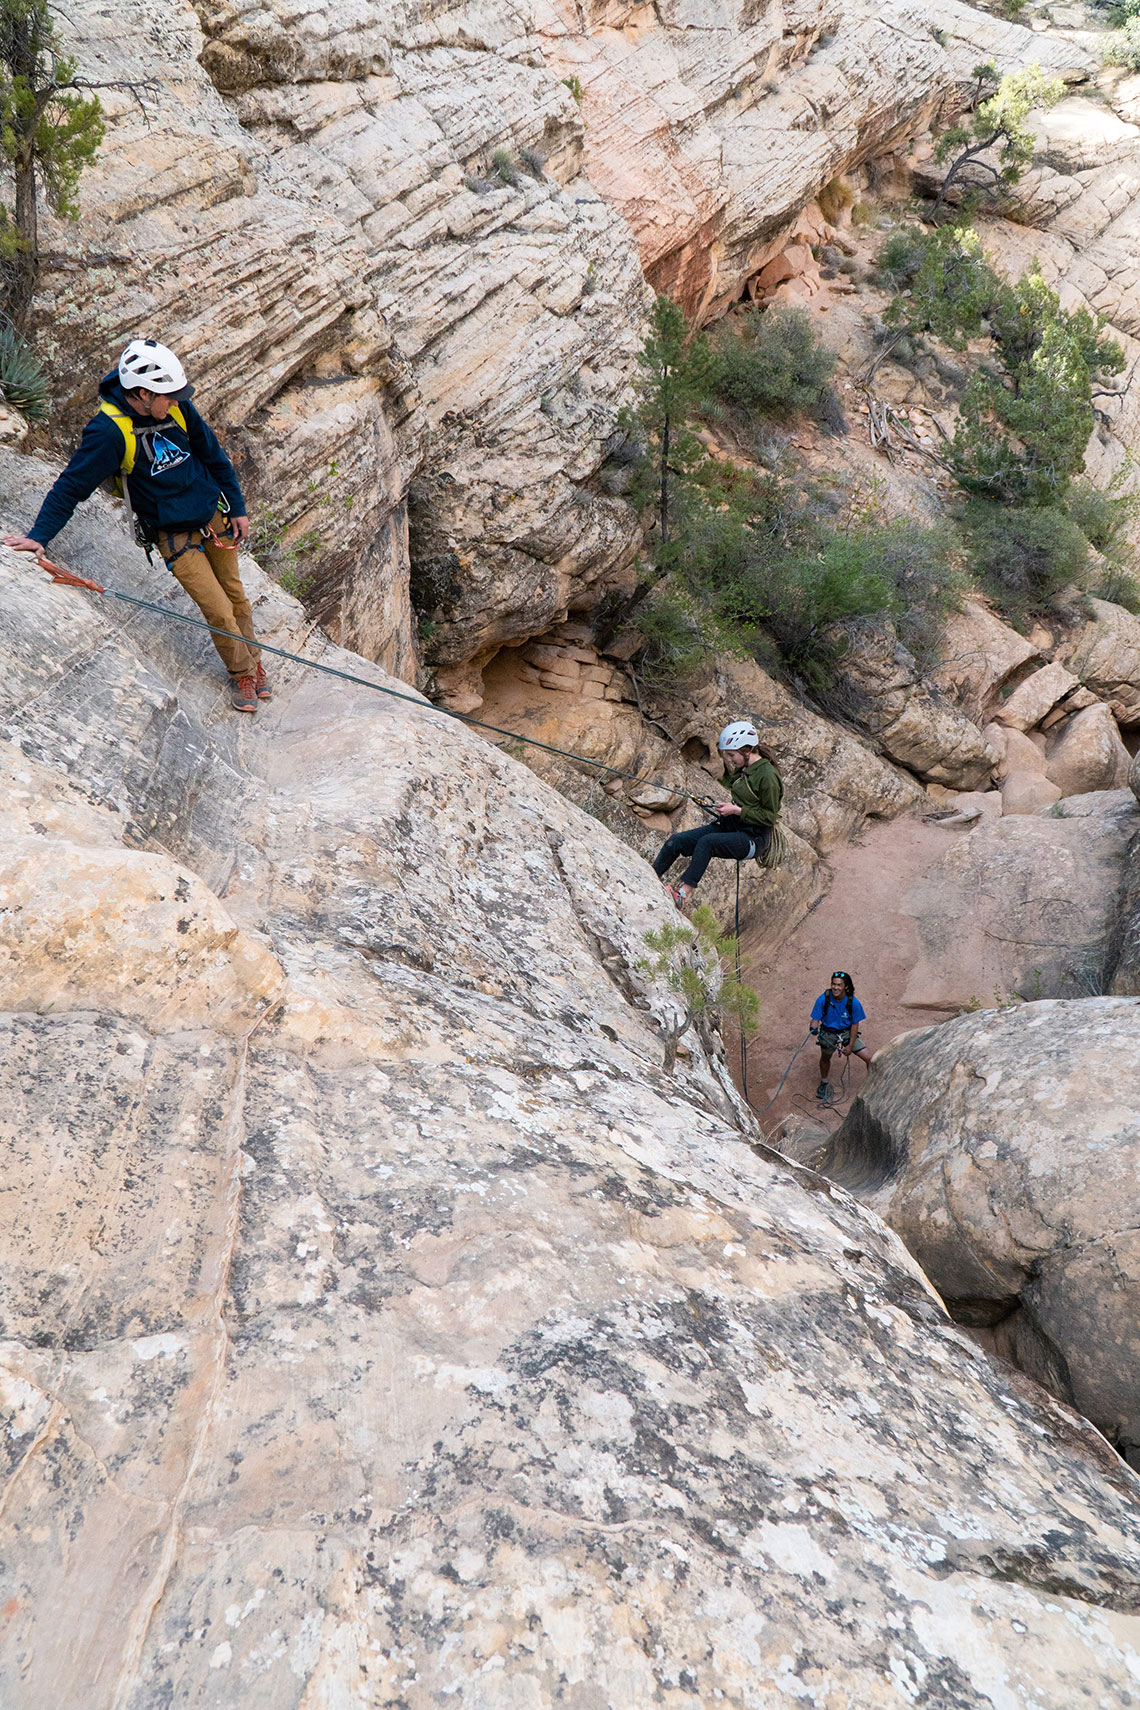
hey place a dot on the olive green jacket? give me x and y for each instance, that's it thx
(757, 791)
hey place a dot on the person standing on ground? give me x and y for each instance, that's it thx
(182, 490)
(835, 1017)
(743, 824)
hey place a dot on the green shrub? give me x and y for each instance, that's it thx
(1106, 519)
(782, 580)
(504, 166)
(1024, 555)
(899, 259)
(1102, 517)
(1123, 46)
(1116, 582)
(770, 361)
(21, 377)
(675, 643)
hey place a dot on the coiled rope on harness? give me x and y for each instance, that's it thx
(68, 579)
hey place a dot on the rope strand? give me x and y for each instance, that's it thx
(380, 688)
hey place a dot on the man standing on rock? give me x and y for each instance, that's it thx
(182, 490)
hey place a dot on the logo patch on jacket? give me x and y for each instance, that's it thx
(164, 454)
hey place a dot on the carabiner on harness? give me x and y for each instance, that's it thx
(228, 542)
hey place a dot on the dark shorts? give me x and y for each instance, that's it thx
(831, 1040)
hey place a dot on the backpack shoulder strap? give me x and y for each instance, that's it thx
(176, 412)
(126, 427)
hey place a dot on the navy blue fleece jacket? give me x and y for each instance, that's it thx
(176, 480)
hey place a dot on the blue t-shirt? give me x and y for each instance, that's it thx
(837, 1013)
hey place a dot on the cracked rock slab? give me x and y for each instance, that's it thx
(417, 1339)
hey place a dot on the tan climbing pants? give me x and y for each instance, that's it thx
(209, 575)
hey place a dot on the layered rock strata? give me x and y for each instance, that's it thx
(711, 127)
(381, 1323)
(405, 259)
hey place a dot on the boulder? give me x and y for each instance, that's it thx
(1123, 964)
(1023, 906)
(1105, 655)
(1086, 753)
(1036, 696)
(1017, 752)
(979, 654)
(1028, 792)
(1095, 804)
(1004, 1148)
(420, 1339)
(876, 682)
(968, 806)
(1134, 776)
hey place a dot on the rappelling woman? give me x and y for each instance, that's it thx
(744, 820)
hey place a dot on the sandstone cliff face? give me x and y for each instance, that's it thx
(381, 1324)
(382, 318)
(711, 124)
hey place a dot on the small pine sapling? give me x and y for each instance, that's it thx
(690, 961)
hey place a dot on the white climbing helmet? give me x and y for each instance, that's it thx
(147, 363)
(739, 735)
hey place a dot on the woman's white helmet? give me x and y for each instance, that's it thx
(147, 363)
(739, 735)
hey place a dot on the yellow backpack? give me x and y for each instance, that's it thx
(130, 440)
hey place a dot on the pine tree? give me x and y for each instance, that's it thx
(676, 368)
(998, 124)
(49, 132)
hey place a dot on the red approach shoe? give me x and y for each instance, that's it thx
(243, 696)
(674, 894)
(261, 684)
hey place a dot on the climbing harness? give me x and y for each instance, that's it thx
(226, 543)
(58, 573)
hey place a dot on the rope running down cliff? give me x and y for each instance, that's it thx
(68, 579)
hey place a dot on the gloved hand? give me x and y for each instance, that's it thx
(813, 1031)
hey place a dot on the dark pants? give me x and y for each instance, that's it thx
(705, 842)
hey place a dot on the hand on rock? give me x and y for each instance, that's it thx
(21, 543)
